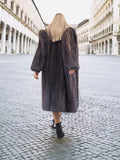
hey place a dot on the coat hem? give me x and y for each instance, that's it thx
(50, 110)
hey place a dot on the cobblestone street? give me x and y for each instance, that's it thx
(93, 133)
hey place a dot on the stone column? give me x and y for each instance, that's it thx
(9, 41)
(104, 48)
(27, 45)
(114, 46)
(18, 43)
(30, 46)
(108, 47)
(98, 48)
(90, 48)
(14, 41)
(3, 39)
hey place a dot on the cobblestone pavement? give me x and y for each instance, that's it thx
(93, 133)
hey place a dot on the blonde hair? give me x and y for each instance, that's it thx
(57, 27)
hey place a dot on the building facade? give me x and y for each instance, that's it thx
(101, 33)
(104, 27)
(118, 33)
(82, 31)
(20, 22)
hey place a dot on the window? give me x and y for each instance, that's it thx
(12, 38)
(28, 21)
(6, 37)
(5, 1)
(17, 10)
(111, 27)
(12, 5)
(21, 14)
(25, 19)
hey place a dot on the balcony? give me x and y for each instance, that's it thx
(104, 15)
(105, 32)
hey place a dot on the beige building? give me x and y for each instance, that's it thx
(20, 22)
(101, 33)
(118, 32)
(104, 27)
(82, 31)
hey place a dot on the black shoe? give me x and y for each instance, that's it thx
(59, 130)
(53, 125)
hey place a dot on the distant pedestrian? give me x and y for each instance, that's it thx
(57, 58)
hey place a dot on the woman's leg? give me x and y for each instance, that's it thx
(59, 130)
(56, 116)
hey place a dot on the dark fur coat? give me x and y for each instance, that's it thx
(55, 59)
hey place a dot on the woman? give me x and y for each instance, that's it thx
(57, 58)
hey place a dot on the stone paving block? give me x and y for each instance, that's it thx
(91, 133)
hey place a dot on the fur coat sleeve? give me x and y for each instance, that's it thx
(70, 49)
(38, 62)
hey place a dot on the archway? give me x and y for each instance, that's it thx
(2, 37)
(110, 46)
(119, 48)
(106, 46)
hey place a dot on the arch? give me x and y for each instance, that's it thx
(119, 48)
(5, 1)
(12, 39)
(102, 47)
(2, 37)
(110, 46)
(24, 43)
(8, 39)
(20, 43)
(17, 41)
(106, 46)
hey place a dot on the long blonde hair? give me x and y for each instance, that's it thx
(57, 27)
